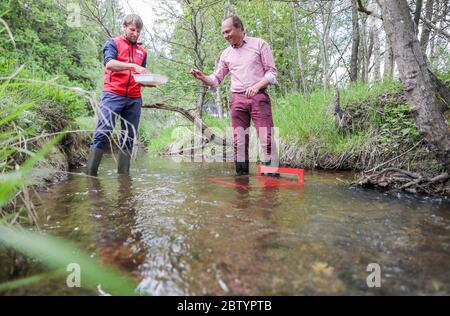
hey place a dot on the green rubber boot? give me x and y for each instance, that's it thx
(123, 164)
(95, 156)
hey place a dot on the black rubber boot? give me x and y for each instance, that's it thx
(245, 168)
(123, 164)
(242, 168)
(95, 156)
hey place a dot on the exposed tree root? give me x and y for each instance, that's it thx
(399, 179)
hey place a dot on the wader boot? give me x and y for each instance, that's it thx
(95, 156)
(123, 163)
(242, 168)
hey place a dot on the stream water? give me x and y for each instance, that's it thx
(178, 233)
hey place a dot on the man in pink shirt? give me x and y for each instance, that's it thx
(250, 63)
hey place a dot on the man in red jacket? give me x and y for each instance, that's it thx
(121, 97)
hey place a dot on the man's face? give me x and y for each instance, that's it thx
(231, 34)
(132, 33)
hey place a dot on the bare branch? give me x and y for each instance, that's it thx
(362, 9)
(434, 27)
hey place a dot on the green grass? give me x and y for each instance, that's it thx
(361, 91)
(308, 119)
(217, 122)
(162, 141)
(86, 123)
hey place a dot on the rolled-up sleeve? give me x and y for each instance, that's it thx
(270, 71)
(220, 72)
(109, 51)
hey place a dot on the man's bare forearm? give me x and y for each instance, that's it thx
(116, 65)
(207, 81)
(262, 84)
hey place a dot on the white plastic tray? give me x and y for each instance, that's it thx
(151, 79)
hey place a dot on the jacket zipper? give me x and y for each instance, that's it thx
(129, 76)
(131, 59)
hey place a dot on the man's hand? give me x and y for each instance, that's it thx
(202, 77)
(198, 74)
(140, 70)
(252, 91)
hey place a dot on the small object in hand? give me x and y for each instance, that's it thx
(150, 79)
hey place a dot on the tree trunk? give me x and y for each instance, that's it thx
(425, 35)
(417, 80)
(417, 14)
(369, 52)
(229, 9)
(355, 42)
(218, 103)
(269, 9)
(376, 54)
(375, 36)
(326, 26)
(299, 50)
(388, 61)
(364, 50)
(200, 100)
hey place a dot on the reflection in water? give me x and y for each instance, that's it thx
(117, 242)
(255, 206)
(178, 233)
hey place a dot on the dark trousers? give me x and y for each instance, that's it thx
(113, 106)
(257, 109)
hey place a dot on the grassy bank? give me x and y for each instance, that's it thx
(373, 126)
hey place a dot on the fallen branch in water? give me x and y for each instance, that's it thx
(399, 179)
(206, 131)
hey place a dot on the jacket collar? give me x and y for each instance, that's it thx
(123, 38)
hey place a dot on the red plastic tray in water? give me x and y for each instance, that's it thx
(263, 181)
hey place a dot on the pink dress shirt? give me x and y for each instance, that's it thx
(247, 65)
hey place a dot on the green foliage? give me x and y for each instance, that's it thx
(46, 43)
(217, 122)
(397, 124)
(161, 142)
(49, 108)
(384, 109)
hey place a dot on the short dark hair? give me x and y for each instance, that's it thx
(237, 22)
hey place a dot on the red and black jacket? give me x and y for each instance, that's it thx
(122, 82)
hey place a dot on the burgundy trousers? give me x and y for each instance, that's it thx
(259, 110)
